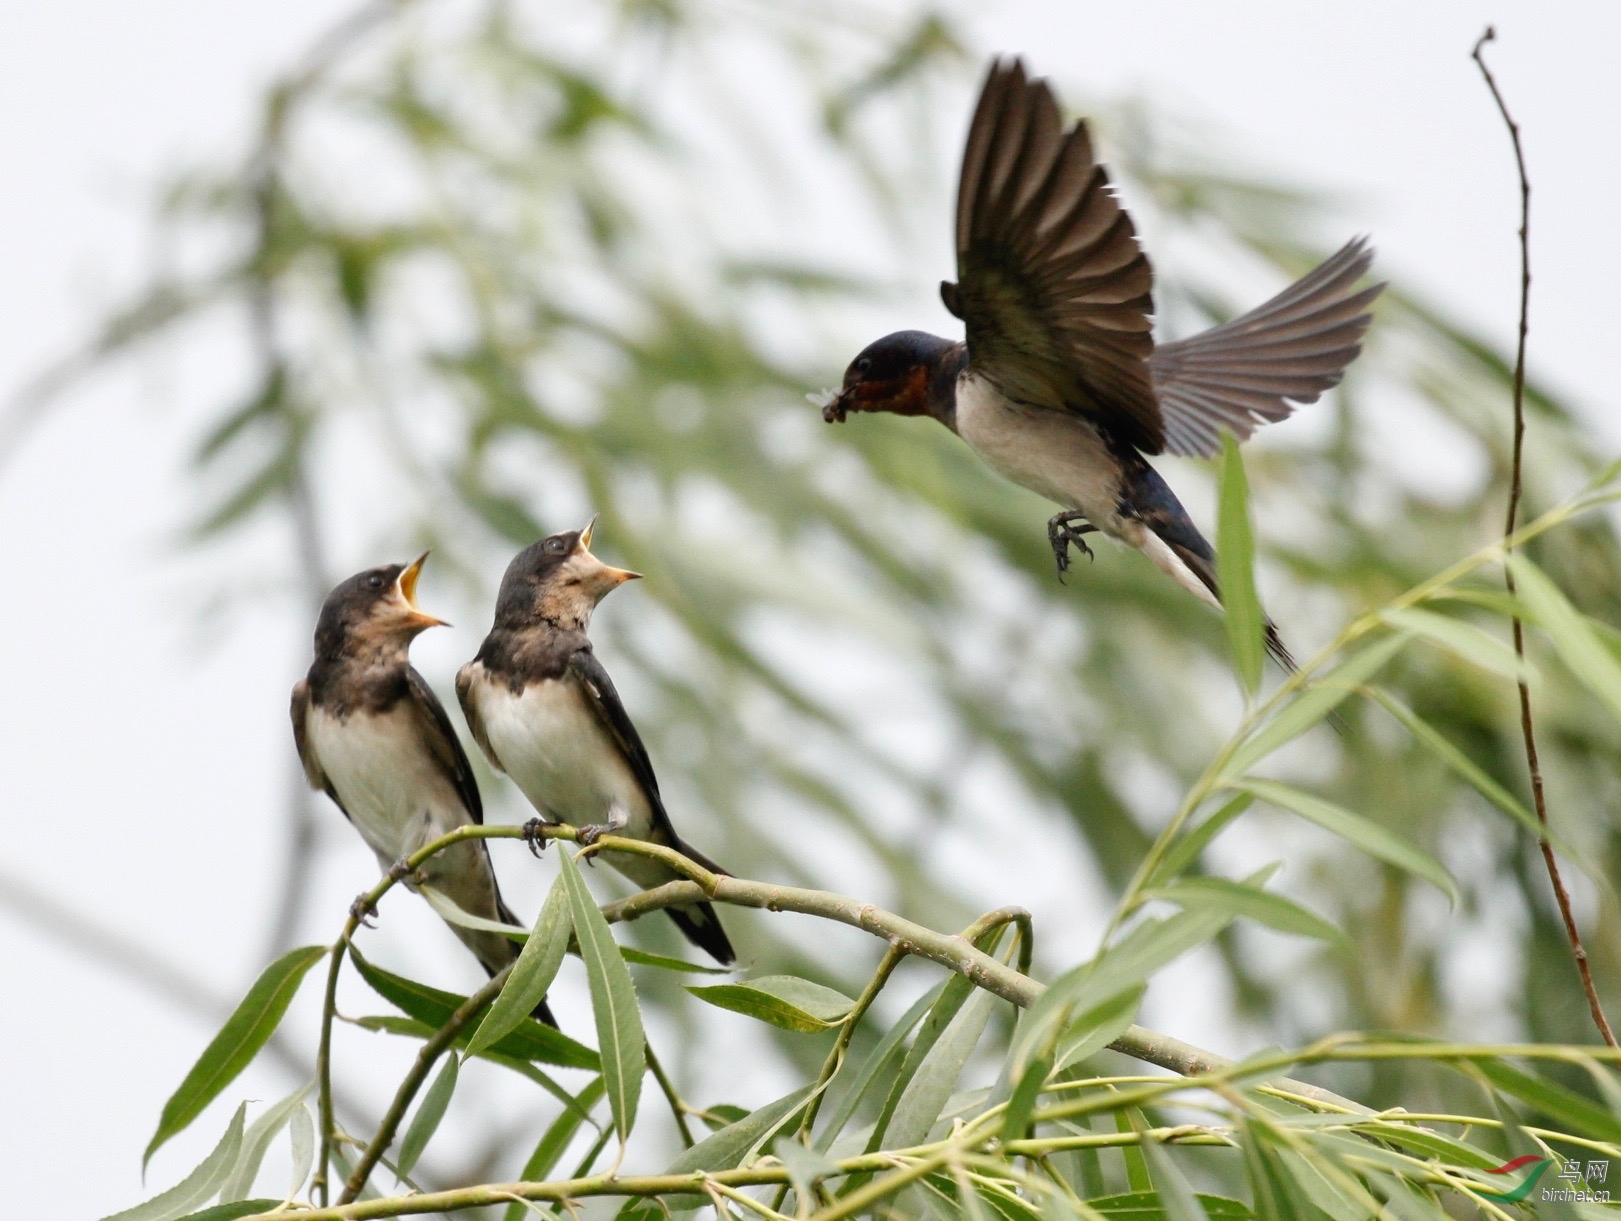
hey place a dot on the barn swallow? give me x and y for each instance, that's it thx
(545, 712)
(1059, 385)
(373, 736)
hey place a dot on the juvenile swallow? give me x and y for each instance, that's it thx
(1059, 385)
(373, 736)
(545, 712)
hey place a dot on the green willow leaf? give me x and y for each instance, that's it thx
(869, 1072)
(936, 1077)
(234, 1210)
(1235, 568)
(554, 1141)
(1263, 906)
(613, 1001)
(430, 1111)
(1187, 849)
(301, 1139)
(198, 1186)
(239, 1040)
(1462, 639)
(256, 1143)
(1147, 1206)
(641, 958)
(729, 1147)
(528, 1040)
(1175, 1192)
(782, 1000)
(1315, 703)
(532, 974)
(1579, 645)
(452, 912)
(1355, 829)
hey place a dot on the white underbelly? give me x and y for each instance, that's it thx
(392, 791)
(1055, 454)
(551, 744)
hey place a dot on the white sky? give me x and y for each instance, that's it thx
(139, 777)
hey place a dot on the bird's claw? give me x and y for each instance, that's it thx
(534, 835)
(362, 910)
(587, 837)
(1062, 532)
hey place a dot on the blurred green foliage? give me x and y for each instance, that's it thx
(502, 267)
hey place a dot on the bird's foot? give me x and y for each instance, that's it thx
(534, 834)
(587, 837)
(401, 871)
(1062, 531)
(362, 910)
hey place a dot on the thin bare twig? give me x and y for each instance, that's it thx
(1527, 722)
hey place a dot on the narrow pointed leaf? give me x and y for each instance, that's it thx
(936, 1077)
(1579, 646)
(1462, 639)
(1235, 568)
(729, 1147)
(641, 958)
(301, 1139)
(1175, 1192)
(198, 1186)
(1355, 829)
(528, 1040)
(613, 1001)
(1186, 850)
(429, 1113)
(256, 1143)
(238, 1041)
(532, 974)
(1263, 906)
(452, 912)
(234, 1210)
(870, 1069)
(782, 1000)
(1314, 703)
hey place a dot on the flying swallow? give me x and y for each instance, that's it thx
(1059, 385)
(545, 712)
(373, 736)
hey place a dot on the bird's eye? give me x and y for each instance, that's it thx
(864, 364)
(554, 546)
(374, 582)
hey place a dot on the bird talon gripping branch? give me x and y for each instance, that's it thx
(362, 910)
(534, 834)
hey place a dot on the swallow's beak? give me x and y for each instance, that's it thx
(408, 590)
(603, 576)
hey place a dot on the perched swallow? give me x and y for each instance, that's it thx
(373, 736)
(1059, 385)
(545, 712)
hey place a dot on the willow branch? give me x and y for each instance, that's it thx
(1527, 723)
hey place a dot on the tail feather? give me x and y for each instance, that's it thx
(700, 925)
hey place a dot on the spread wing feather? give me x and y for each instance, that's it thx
(1261, 365)
(1053, 288)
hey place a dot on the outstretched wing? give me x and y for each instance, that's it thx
(313, 771)
(1257, 368)
(439, 740)
(1055, 293)
(599, 693)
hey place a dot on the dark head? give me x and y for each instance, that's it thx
(558, 581)
(908, 373)
(373, 612)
